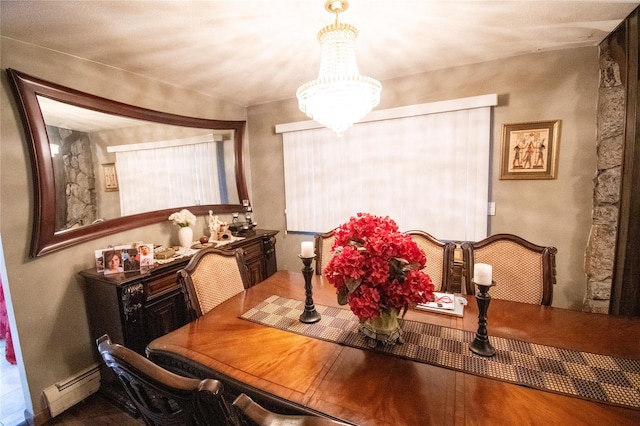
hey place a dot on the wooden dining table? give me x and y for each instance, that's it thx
(369, 387)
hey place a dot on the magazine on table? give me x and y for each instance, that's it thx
(445, 303)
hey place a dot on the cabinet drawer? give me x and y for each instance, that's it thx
(162, 284)
(251, 251)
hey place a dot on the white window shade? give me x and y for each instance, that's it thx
(428, 172)
(184, 174)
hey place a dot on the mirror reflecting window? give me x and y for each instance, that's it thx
(101, 167)
(107, 166)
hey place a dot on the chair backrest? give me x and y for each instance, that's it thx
(162, 397)
(323, 244)
(254, 414)
(440, 256)
(523, 271)
(211, 277)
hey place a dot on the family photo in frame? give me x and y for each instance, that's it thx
(124, 258)
(530, 150)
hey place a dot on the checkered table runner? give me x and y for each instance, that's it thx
(580, 374)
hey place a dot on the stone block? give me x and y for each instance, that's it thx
(610, 152)
(606, 215)
(596, 306)
(599, 290)
(607, 190)
(609, 68)
(600, 253)
(611, 112)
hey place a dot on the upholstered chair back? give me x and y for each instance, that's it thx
(439, 255)
(323, 244)
(523, 271)
(211, 277)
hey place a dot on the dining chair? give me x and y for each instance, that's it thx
(523, 271)
(254, 414)
(323, 245)
(162, 397)
(211, 277)
(440, 257)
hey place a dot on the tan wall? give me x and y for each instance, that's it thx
(47, 293)
(545, 86)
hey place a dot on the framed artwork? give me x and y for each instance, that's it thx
(110, 177)
(530, 150)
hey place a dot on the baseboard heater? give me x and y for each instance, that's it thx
(69, 392)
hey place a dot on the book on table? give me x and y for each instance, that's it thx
(445, 303)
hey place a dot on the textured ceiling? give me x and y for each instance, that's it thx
(255, 51)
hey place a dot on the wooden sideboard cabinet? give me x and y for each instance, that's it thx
(136, 307)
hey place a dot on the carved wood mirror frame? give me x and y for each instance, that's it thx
(45, 238)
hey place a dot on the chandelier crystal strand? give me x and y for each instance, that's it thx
(340, 96)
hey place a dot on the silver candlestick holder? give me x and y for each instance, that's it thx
(309, 315)
(481, 345)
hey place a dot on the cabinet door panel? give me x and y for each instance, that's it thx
(164, 315)
(256, 271)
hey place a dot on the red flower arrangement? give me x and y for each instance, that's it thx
(376, 268)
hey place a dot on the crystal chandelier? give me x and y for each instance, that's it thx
(340, 96)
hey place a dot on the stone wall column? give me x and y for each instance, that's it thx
(600, 252)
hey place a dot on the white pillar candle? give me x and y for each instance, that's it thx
(306, 249)
(482, 273)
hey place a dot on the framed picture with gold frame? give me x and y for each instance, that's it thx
(530, 150)
(110, 177)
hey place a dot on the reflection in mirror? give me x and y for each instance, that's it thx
(101, 167)
(107, 166)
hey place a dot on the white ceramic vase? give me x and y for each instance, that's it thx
(185, 236)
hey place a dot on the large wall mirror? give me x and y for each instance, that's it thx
(101, 166)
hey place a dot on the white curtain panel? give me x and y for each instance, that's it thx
(428, 172)
(185, 175)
